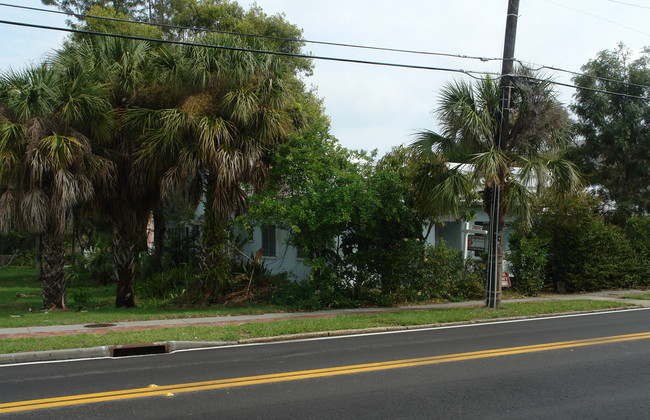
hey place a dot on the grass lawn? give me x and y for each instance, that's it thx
(21, 304)
(90, 303)
(277, 328)
(644, 296)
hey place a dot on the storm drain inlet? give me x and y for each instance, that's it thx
(138, 349)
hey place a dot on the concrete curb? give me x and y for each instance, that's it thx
(173, 346)
(189, 345)
(50, 355)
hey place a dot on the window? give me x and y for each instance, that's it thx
(301, 253)
(268, 240)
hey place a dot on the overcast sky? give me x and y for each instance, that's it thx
(374, 107)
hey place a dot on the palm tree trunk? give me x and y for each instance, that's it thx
(215, 265)
(495, 256)
(53, 258)
(159, 230)
(127, 233)
(123, 258)
(38, 260)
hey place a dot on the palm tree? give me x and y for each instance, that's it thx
(218, 138)
(124, 67)
(47, 118)
(529, 160)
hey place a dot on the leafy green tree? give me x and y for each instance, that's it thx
(614, 137)
(351, 217)
(108, 25)
(48, 120)
(576, 249)
(80, 7)
(528, 161)
(312, 190)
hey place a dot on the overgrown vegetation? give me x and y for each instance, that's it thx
(109, 134)
(571, 247)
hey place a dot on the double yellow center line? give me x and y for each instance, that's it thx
(168, 390)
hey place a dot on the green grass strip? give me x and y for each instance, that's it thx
(295, 326)
(645, 296)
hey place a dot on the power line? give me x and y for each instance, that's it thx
(597, 17)
(608, 92)
(195, 29)
(306, 41)
(575, 73)
(471, 73)
(630, 4)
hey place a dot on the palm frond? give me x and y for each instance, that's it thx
(34, 210)
(214, 133)
(492, 167)
(240, 105)
(163, 142)
(448, 197)
(533, 173)
(60, 151)
(7, 208)
(518, 202)
(271, 126)
(65, 189)
(172, 181)
(429, 144)
(565, 177)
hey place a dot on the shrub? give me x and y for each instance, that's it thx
(444, 274)
(171, 284)
(420, 272)
(527, 259)
(297, 295)
(583, 251)
(638, 231)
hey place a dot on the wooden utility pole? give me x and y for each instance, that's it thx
(495, 232)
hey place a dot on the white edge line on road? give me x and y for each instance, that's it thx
(404, 331)
(44, 362)
(336, 337)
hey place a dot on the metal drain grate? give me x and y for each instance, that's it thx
(138, 349)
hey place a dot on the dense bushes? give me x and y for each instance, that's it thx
(421, 273)
(527, 260)
(573, 248)
(442, 273)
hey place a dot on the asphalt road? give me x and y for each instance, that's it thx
(593, 366)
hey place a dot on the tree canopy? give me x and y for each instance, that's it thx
(613, 148)
(528, 160)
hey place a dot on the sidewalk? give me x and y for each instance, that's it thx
(104, 351)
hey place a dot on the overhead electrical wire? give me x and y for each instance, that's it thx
(539, 67)
(483, 59)
(608, 92)
(630, 4)
(471, 73)
(306, 41)
(598, 17)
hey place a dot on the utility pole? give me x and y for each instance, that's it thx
(495, 232)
